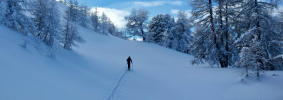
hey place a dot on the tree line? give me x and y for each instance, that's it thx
(51, 22)
(162, 29)
(241, 33)
(236, 33)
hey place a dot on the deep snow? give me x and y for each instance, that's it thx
(92, 70)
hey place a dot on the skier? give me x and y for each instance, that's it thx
(129, 61)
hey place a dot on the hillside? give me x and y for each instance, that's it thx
(92, 72)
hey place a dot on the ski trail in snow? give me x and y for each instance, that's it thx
(117, 85)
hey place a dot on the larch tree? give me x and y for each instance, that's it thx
(95, 20)
(182, 36)
(46, 20)
(83, 16)
(105, 25)
(2, 11)
(136, 22)
(206, 45)
(259, 34)
(160, 28)
(14, 15)
(70, 33)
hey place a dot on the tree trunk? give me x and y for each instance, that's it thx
(142, 33)
(226, 37)
(223, 57)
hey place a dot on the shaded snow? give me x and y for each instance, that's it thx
(94, 68)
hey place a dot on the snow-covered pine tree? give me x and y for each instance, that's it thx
(168, 33)
(160, 29)
(252, 55)
(14, 15)
(95, 20)
(46, 20)
(104, 24)
(120, 34)
(182, 33)
(260, 20)
(253, 58)
(222, 32)
(217, 23)
(136, 22)
(112, 29)
(206, 45)
(83, 16)
(70, 33)
(275, 43)
(2, 10)
(230, 29)
(74, 7)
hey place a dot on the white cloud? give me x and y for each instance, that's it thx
(278, 10)
(178, 3)
(175, 12)
(115, 15)
(157, 3)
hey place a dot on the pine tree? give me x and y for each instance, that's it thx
(253, 58)
(259, 31)
(220, 22)
(46, 20)
(136, 22)
(83, 16)
(2, 10)
(74, 10)
(160, 29)
(230, 29)
(104, 24)
(222, 34)
(95, 20)
(182, 33)
(206, 45)
(70, 33)
(112, 29)
(13, 15)
(275, 43)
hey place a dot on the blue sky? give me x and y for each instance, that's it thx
(154, 6)
(118, 9)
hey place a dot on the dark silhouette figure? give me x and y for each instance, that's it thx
(129, 61)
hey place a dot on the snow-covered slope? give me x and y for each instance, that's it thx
(97, 71)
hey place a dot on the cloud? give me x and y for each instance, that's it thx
(175, 12)
(157, 3)
(115, 15)
(278, 10)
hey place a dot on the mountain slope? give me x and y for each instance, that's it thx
(96, 70)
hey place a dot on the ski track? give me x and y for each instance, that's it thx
(118, 84)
